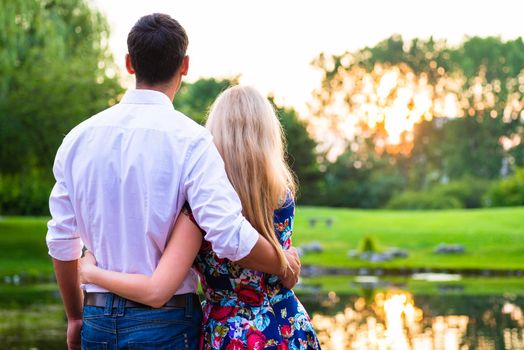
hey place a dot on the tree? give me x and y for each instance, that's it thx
(509, 191)
(195, 99)
(301, 152)
(54, 74)
(56, 71)
(449, 111)
(358, 181)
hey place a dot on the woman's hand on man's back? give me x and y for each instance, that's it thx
(85, 266)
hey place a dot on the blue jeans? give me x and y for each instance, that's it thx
(140, 328)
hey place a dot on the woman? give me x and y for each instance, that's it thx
(243, 308)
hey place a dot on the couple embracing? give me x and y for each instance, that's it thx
(159, 201)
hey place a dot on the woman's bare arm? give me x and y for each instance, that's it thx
(173, 267)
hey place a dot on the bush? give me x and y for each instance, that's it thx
(423, 200)
(25, 195)
(368, 244)
(508, 192)
(469, 191)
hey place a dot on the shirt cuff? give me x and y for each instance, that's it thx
(65, 250)
(248, 237)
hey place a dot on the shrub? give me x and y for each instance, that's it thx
(25, 194)
(508, 192)
(469, 191)
(368, 244)
(423, 200)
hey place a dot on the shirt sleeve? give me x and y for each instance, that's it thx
(215, 204)
(62, 237)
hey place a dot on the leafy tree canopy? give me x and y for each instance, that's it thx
(56, 70)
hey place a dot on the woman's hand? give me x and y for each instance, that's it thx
(85, 266)
(292, 274)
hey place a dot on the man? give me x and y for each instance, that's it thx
(122, 177)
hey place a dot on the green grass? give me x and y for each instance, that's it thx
(494, 238)
(23, 247)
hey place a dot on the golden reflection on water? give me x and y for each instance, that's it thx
(391, 320)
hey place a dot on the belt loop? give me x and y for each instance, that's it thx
(121, 306)
(109, 304)
(189, 305)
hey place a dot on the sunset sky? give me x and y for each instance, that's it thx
(271, 43)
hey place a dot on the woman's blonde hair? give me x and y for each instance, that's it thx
(250, 140)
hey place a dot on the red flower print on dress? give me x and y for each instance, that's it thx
(255, 340)
(249, 295)
(282, 346)
(281, 226)
(286, 331)
(217, 341)
(222, 313)
(235, 344)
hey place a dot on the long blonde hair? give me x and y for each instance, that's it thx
(250, 140)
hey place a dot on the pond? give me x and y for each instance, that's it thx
(348, 312)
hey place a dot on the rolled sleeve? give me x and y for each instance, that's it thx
(248, 237)
(215, 204)
(63, 240)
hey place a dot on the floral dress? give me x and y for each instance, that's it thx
(247, 309)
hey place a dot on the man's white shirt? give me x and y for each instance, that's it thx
(122, 177)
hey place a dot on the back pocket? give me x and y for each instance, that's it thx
(180, 342)
(93, 345)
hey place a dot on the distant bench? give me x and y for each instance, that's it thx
(328, 221)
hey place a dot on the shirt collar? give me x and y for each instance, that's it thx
(146, 97)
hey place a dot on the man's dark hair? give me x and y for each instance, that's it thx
(157, 45)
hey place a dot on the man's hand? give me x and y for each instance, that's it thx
(290, 277)
(73, 334)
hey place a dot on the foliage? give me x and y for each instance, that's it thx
(56, 71)
(195, 99)
(423, 201)
(25, 194)
(301, 154)
(469, 191)
(54, 74)
(368, 244)
(438, 121)
(350, 182)
(447, 149)
(441, 112)
(509, 191)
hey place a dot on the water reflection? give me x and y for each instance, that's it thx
(393, 320)
(32, 317)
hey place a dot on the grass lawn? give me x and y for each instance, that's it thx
(493, 238)
(23, 247)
